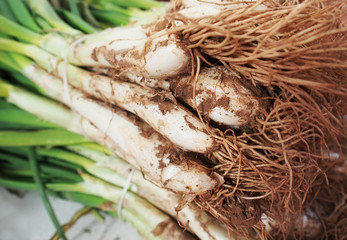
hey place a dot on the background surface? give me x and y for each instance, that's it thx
(26, 218)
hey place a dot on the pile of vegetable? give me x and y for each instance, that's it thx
(231, 112)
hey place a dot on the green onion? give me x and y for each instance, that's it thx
(36, 174)
(46, 137)
(74, 8)
(12, 161)
(45, 10)
(145, 4)
(87, 14)
(11, 28)
(15, 184)
(25, 82)
(111, 17)
(43, 23)
(6, 11)
(23, 15)
(8, 62)
(101, 172)
(6, 105)
(78, 22)
(26, 119)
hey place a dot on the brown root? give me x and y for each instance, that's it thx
(274, 169)
(297, 51)
(294, 43)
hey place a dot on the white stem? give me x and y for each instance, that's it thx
(118, 33)
(160, 57)
(158, 109)
(136, 142)
(160, 84)
(219, 96)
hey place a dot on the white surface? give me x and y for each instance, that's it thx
(26, 218)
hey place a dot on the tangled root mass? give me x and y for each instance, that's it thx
(280, 166)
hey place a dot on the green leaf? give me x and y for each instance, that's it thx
(47, 137)
(87, 15)
(78, 22)
(53, 171)
(25, 82)
(97, 147)
(46, 11)
(6, 11)
(74, 8)
(16, 184)
(43, 23)
(23, 15)
(16, 30)
(111, 17)
(8, 63)
(144, 4)
(35, 168)
(6, 105)
(85, 199)
(20, 117)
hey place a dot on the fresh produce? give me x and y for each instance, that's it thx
(234, 112)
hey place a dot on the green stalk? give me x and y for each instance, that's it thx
(65, 155)
(5, 89)
(3, 35)
(15, 184)
(18, 151)
(7, 61)
(45, 137)
(78, 22)
(102, 172)
(23, 15)
(25, 82)
(6, 11)
(26, 119)
(85, 199)
(97, 147)
(6, 105)
(88, 15)
(13, 161)
(41, 188)
(4, 92)
(17, 172)
(111, 17)
(20, 61)
(107, 6)
(52, 171)
(43, 23)
(32, 51)
(45, 10)
(64, 164)
(145, 4)
(48, 110)
(23, 152)
(14, 29)
(53, 42)
(5, 66)
(74, 8)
